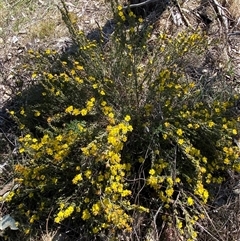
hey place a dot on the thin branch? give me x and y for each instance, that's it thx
(198, 224)
(155, 222)
(237, 33)
(139, 4)
(7, 138)
(185, 20)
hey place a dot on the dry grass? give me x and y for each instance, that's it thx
(34, 24)
(31, 20)
(233, 7)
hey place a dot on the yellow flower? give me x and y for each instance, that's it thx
(152, 181)
(169, 192)
(76, 112)
(190, 201)
(57, 220)
(102, 92)
(50, 76)
(21, 150)
(152, 172)
(167, 205)
(204, 159)
(69, 109)
(226, 161)
(130, 128)
(234, 131)
(179, 224)
(164, 136)
(196, 126)
(37, 113)
(177, 180)
(211, 124)
(77, 178)
(68, 211)
(88, 174)
(119, 7)
(169, 181)
(203, 170)
(179, 132)
(59, 137)
(96, 209)
(22, 112)
(225, 126)
(111, 115)
(27, 231)
(33, 218)
(120, 13)
(83, 112)
(167, 124)
(131, 14)
(191, 85)
(79, 67)
(80, 81)
(85, 215)
(103, 103)
(48, 51)
(126, 193)
(180, 141)
(127, 118)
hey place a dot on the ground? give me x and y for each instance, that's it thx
(32, 24)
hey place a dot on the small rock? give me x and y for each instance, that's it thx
(14, 39)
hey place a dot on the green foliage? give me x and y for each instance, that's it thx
(123, 131)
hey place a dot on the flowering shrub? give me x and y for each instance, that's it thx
(123, 131)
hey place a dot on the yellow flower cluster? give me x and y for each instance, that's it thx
(77, 178)
(201, 192)
(57, 147)
(63, 214)
(96, 208)
(116, 215)
(112, 182)
(177, 143)
(86, 214)
(121, 13)
(75, 111)
(117, 135)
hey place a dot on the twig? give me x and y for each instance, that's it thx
(155, 222)
(198, 224)
(7, 138)
(48, 221)
(185, 20)
(139, 4)
(221, 14)
(210, 220)
(237, 33)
